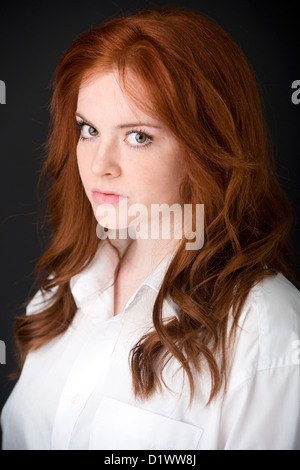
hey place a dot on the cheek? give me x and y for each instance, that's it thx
(82, 164)
(169, 175)
(171, 181)
(160, 184)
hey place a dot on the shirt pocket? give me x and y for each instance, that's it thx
(120, 426)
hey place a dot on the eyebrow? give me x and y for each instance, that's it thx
(123, 126)
(137, 124)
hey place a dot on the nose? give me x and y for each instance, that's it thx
(106, 159)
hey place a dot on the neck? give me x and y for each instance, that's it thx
(142, 254)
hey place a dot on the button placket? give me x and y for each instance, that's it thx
(86, 372)
(75, 399)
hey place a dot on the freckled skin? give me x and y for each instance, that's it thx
(111, 159)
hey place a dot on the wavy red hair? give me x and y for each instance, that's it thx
(198, 83)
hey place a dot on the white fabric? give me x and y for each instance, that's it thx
(75, 392)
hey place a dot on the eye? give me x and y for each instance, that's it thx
(86, 130)
(138, 139)
(92, 131)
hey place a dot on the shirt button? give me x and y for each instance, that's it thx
(75, 399)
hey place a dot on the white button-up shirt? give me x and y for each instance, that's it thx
(75, 392)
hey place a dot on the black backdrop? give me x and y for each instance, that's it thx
(33, 36)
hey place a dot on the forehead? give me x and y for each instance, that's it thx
(103, 93)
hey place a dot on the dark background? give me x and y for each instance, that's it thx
(33, 36)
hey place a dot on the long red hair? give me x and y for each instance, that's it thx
(198, 83)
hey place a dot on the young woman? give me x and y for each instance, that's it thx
(139, 342)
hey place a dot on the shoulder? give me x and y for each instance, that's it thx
(277, 304)
(277, 292)
(268, 330)
(263, 388)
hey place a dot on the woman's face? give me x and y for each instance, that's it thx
(123, 151)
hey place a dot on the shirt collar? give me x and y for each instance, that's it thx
(99, 274)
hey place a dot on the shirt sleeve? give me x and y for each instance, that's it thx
(263, 413)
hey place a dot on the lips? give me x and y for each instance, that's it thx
(106, 197)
